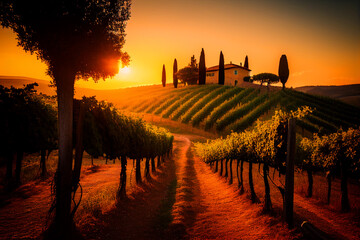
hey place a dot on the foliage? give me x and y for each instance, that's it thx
(221, 69)
(247, 79)
(28, 123)
(175, 78)
(109, 133)
(202, 68)
(268, 78)
(209, 107)
(163, 77)
(246, 63)
(283, 70)
(190, 74)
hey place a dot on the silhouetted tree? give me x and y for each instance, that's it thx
(283, 70)
(221, 69)
(81, 38)
(175, 78)
(202, 68)
(163, 77)
(246, 64)
(268, 78)
(189, 74)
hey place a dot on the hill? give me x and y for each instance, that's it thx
(223, 109)
(347, 93)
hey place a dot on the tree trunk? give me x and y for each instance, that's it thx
(345, 205)
(237, 172)
(79, 149)
(65, 93)
(310, 182)
(19, 158)
(221, 167)
(217, 166)
(241, 177)
(158, 161)
(153, 168)
(267, 203)
(43, 163)
(253, 196)
(328, 178)
(226, 168)
(122, 187)
(138, 172)
(231, 172)
(9, 165)
(92, 161)
(147, 168)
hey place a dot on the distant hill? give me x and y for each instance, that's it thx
(347, 93)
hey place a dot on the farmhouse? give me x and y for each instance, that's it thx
(234, 74)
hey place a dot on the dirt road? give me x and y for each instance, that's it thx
(184, 199)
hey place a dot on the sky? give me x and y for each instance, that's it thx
(321, 39)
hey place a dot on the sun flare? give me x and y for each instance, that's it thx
(125, 70)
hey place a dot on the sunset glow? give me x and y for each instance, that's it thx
(320, 40)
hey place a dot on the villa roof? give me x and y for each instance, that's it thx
(226, 66)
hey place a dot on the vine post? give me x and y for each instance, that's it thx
(289, 178)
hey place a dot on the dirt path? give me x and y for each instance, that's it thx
(184, 199)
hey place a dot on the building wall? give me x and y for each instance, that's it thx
(230, 76)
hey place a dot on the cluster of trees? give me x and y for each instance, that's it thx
(266, 144)
(271, 78)
(195, 73)
(28, 125)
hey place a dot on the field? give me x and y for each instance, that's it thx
(185, 198)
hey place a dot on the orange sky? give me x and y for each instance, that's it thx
(321, 40)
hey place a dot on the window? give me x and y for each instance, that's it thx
(236, 72)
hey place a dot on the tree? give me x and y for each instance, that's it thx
(163, 78)
(82, 38)
(246, 64)
(268, 78)
(283, 70)
(175, 78)
(189, 74)
(221, 69)
(202, 68)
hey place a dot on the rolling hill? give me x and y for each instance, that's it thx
(347, 93)
(223, 109)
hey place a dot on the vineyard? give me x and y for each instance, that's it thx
(223, 109)
(249, 159)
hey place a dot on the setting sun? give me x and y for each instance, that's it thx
(125, 70)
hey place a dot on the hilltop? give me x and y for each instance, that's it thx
(347, 93)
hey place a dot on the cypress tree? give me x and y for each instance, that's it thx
(221, 69)
(246, 64)
(163, 80)
(202, 68)
(175, 79)
(283, 70)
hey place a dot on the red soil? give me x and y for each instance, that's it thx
(205, 207)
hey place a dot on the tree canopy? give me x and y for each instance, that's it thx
(283, 70)
(268, 78)
(202, 68)
(190, 74)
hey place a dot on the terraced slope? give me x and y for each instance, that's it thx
(224, 108)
